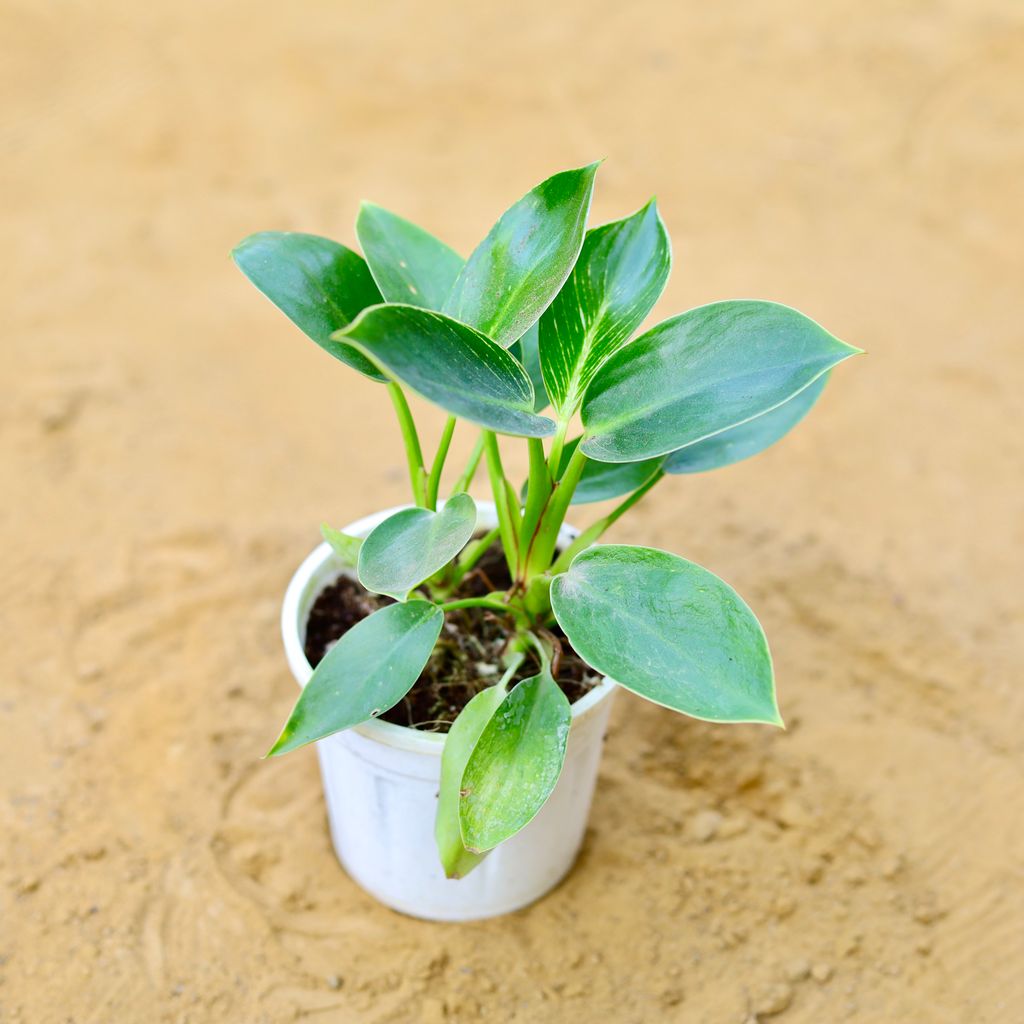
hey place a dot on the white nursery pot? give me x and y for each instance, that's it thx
(381, 783)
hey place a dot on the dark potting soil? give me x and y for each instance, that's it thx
(467, 657)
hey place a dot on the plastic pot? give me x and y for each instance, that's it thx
(381, 783)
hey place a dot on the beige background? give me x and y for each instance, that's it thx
(170, 444)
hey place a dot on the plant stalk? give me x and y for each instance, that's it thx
(413, 452)
(542, 545)
(538, 491)
(595, 530)
(470, 556)
(434, 480)
(462, 484)
(476, 602)
(508, 516)
(557, 447)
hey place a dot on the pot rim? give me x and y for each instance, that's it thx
(316, 572)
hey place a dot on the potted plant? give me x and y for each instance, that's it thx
(465, 652)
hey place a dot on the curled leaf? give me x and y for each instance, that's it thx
(515, 763)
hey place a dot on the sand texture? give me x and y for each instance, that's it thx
(170, 444)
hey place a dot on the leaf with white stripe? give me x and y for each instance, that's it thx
(700, 373)
(668, 630)
(452, 365)
(748, 439)
(617, 279)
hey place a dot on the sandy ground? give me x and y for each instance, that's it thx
(169, 446)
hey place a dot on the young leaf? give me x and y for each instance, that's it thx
(617, 279)
(451, 365)
(409, 264)
(369, 670)
(515, 763)
(603, 480)
(527, 351)
(318, 284)
(518, 268)
(668, 630)
(702, 372)
(410, 546)
(748, 438)
(345, 547)
(458, 745)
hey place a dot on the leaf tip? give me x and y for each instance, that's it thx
(278, 748)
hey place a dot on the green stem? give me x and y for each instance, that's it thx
(508, 517)
(542, 651)
(581, 543)
(476, 602)
(545, 538)
(414, 455)
(593, 532)
(470, 556)
(434, 480)
(538, 491)
(462, 484)
(557, 446)
(515, 659)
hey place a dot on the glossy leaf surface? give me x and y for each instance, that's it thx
(370, 669)
(458, 745)
(615, 283)
(409, 264)
(318, 284)
(519, 267)
(515, 763)
(343, 545)
(668, 630)
(527, 351)
(413, 544)
(451, 365)
(702, 372)
(748, 438)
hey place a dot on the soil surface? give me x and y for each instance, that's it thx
(468, 655)
(169, 446)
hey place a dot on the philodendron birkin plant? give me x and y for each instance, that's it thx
(534, 332)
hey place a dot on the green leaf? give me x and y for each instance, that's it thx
(603, 480)
(617, 279)
(318, 284)
(748, 438)
(515, 763)
(702, 372)
(458, 745)
(668, 630)
(527, 351)
(409, 264)
(518, 268)
(345, 547)
(410, 546)
(369, 670)
(451, 365)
